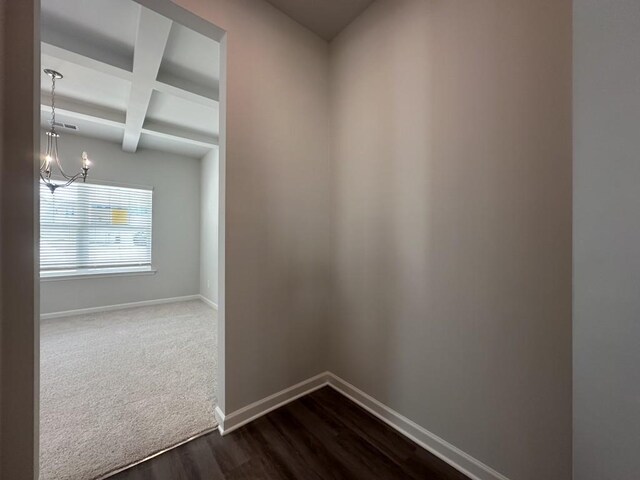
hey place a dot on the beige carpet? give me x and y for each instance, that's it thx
(119, 386)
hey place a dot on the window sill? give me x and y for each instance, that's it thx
(96, 273)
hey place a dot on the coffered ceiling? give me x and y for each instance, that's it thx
(131, 76)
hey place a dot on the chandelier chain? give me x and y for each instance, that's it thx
(53, 103)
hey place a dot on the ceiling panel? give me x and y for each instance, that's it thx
(193, 56)
(115, 20)
(85, 84)
(111, 23)
(86, 128)
(176, 111)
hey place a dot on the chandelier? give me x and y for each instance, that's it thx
(51, 159)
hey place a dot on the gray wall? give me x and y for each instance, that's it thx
(176, 227)
(277, 202)
(451, 138)
(606, 240)
(209, 204)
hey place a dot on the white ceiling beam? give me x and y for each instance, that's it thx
(166, 83)
(113, 118)
(151, 40)
(183, 88)
(70, 48)
(171, 132)
(100, 63)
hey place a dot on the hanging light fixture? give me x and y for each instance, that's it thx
(51, 159)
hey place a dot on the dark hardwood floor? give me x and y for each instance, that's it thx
(320, 436)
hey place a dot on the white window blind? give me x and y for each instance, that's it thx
(88, 226)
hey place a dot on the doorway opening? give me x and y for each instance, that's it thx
(130, 281)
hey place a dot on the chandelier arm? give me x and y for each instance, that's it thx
(46, 161)
(57, 159)
(53, 186)
(73, 179)
(59, 163)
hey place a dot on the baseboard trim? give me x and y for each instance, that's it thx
(219, 415)
(121, 306)
(461, 461)
(442, 449)
(229, 422)
(211, 303)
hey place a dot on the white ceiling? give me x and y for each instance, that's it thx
(327, 18)
(130, 76)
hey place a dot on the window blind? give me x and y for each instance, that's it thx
(85, 226)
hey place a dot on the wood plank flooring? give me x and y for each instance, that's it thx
(320, 436)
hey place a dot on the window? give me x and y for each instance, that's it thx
(91, 229)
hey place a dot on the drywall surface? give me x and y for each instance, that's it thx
(209, 204)
(277, 199)
(176, 227)
(606, 277)
(19, 336)
(451, 151)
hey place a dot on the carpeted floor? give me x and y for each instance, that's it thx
(118, 386)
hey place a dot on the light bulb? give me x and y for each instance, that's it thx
(86, 163)
(48, 159)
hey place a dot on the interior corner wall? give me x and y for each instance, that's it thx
(209, 203)
(452, 210)
(606, 240)
(175, 236)
(277, 205)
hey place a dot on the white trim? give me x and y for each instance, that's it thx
(442, 449)
(235, 420)
(92, 180)
(461, 461)
(54, 276)
(211, 303)
(121, 306)
(219, 414)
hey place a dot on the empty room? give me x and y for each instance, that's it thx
(304, 239)
(128, 235)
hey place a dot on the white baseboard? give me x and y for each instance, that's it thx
(211, 303)
(455, 457)
(121, 306)
(452, 455)
(219, 414)
(234, 420)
